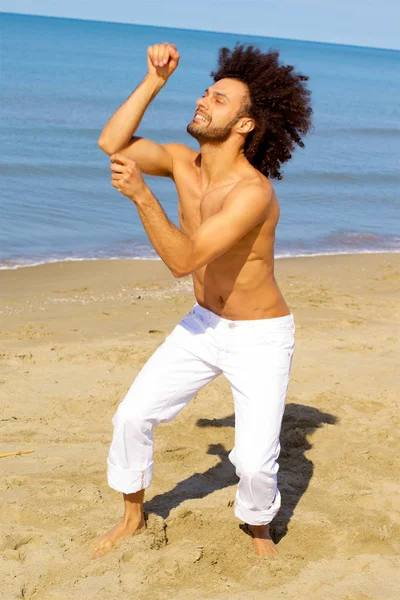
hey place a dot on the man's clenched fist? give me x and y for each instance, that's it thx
(162, 60)
(126, 176)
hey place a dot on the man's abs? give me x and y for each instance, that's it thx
(248, 291)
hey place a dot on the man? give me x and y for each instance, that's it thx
(247, 124)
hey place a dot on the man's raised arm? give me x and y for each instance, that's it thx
(117, 135)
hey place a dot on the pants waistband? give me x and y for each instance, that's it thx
(285, 323)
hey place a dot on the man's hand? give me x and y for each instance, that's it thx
(126, 176)
(162, 60)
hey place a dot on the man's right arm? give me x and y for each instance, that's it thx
(118, 134)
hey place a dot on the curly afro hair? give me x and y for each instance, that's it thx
(279, 104)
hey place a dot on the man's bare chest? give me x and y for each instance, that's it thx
(196, 206)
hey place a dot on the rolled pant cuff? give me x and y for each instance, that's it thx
(128, 481)
(258, 517)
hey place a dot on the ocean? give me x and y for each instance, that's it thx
(61, 79)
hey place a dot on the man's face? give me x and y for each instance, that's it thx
(218, 110)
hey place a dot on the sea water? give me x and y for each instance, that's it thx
(61, 80)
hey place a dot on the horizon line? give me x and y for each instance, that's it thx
(200, 30)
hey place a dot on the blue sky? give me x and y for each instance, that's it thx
(359, 22)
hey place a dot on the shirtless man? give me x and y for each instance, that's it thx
(247, 123)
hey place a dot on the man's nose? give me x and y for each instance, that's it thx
(202, 103)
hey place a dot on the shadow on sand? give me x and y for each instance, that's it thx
(295, 471)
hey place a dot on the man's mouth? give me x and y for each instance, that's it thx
(200, 118)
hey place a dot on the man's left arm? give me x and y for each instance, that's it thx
(245, 207)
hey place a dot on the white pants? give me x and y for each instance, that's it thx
(255, 356)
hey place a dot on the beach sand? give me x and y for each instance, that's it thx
(73, 337)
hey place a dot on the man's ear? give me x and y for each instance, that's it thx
(245, 125)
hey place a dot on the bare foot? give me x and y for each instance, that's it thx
(104, 543)
(262, 541)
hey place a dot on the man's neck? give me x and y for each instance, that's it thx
(218, 161)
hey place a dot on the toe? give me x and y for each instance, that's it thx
(101, 548)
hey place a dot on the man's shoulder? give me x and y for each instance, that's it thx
(255, 186)
(183, 158)
(181, 151)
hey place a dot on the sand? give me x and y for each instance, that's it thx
(73, 337)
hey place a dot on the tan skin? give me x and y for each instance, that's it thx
(228, 213)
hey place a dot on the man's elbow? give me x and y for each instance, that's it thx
(183, 269)
(185, 263)
(104, 145)
(179, 272)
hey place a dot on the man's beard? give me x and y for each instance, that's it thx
(214, 135)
